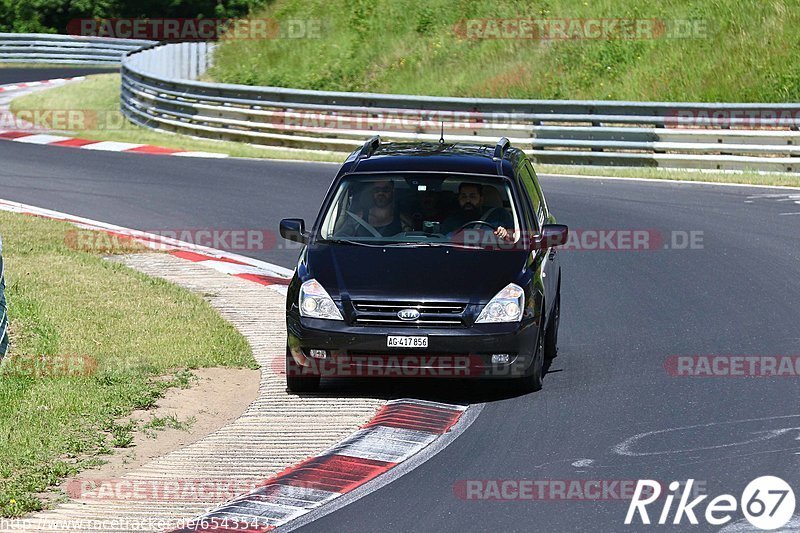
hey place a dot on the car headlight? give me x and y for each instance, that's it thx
(506, 306)
(316, 303)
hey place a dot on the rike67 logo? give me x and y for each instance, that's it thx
(768, 503)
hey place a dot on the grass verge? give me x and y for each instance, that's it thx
(704, 50)
(100, 93)
(91, 341)
(745, 178)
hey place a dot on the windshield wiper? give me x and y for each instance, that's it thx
(413, 243)
(347, 241)
(450, 244)
(404, 244)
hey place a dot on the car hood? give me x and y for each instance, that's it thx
(413, 273)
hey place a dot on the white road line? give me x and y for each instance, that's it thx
(200, 154)
(626, 447)
(111, 146)
(42, 138)
(266, 268)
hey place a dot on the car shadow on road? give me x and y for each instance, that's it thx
(447, 390)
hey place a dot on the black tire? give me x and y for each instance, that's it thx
(299, 379)
(533, 381)
(551, 335)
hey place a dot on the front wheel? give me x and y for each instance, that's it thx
(533, 381)
(551, 335)
(299, 379)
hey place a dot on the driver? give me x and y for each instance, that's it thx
(382, 215)
(470, 202)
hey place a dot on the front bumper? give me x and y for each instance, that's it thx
(464, 352)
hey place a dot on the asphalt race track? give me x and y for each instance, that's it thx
(609, 409)
(21, 74)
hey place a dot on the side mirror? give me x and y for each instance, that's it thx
(552, 235)
(294, 229)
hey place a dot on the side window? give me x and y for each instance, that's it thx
(526, 208)
(538, 189)
(526, 173)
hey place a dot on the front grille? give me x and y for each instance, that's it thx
(432, 314)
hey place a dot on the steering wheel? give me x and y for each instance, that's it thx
(474, 223)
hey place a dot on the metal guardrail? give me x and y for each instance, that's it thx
(67, 49)
(160, 90)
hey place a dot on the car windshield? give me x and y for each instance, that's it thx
(417, 209)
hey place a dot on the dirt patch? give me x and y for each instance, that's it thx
(217, 397)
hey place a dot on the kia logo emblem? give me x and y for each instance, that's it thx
(408, 314)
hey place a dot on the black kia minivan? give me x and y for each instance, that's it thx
(426, 260)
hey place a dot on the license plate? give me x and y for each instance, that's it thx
(403, 341)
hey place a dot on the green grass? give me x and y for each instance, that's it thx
(159, 423)
(746, 178)
(101, 93)
(125, 338)
(747, 53)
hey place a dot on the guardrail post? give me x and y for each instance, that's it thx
(171, 67)
(195, 61)
(185, 73)
(202, 65)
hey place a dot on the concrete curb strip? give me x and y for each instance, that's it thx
(398, 431)
(278, 429)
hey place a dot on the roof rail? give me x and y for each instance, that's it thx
(500, 148)
(499, 151)
(368, 149)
